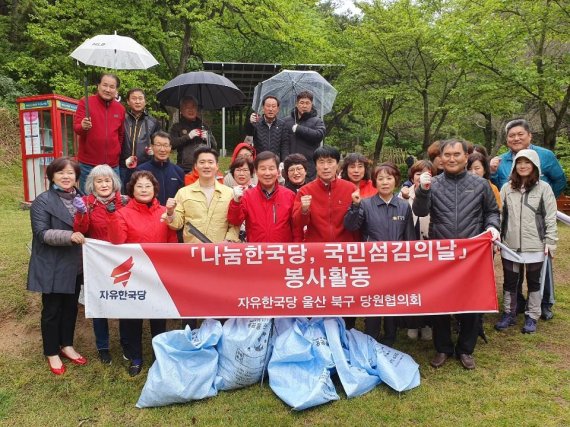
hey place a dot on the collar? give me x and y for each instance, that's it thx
(456, 176)
(142, 207)
(160, 164)
(380, 201)
(142, 115)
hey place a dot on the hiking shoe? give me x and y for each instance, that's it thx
(529, 325)
(546, 312)
(507, 319)
(105, 357)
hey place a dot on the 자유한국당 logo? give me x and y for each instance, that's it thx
(122, 272)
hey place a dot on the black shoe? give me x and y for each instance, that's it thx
(439, 360)
(105, 357)
(135, 369)
(467, 361)
(547, 313)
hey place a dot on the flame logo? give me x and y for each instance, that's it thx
(122, 272)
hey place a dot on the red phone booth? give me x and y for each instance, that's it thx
(46, 133)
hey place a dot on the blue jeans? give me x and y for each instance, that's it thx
(86, 170)
(101, 330)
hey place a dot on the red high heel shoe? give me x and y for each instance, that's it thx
(56, 371)
(79, 361)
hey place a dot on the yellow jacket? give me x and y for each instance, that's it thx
(211, 220)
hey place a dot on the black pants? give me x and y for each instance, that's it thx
(131, 332)
(59, 313)
(468, 333)
(372, 328)
(513, 272)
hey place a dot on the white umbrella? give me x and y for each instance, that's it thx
(115, 52)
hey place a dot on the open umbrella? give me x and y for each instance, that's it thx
(114, 52)
(286, 85)
(211, 90)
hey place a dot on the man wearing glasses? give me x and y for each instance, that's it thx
(170, 177)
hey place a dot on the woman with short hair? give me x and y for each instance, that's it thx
(55, 269)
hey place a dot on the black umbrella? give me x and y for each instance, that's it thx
(211, 90)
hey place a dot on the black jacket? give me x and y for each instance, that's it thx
(307, 138)
(140, 130)
(186, 146)
(274, 137)
(460, 206)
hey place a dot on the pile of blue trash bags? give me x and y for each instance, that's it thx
(300, 357)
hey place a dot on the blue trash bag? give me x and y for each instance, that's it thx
(300, 365)
(397, 369)
(243, 351)
(185, 367)
(355, 379)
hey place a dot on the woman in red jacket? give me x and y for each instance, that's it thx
(140, 222)
(102, 188)
(356, 169)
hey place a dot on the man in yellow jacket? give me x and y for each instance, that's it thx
(204, 203)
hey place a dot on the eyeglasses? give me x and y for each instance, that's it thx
(160, 146)
(294, 169)
(243, 170)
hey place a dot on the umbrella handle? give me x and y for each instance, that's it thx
(86, 97)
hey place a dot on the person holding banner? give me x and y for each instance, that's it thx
(266, 208)
(529, 228)
(320, 206)
(139, 222)
(460, 205)
(383, 217)
(55, 268)
(92, 219)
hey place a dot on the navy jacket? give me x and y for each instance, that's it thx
(379, 221)
(170, 178)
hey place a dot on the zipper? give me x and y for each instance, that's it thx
(520, 223)
(456, 204)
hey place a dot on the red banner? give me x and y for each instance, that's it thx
(303, 279)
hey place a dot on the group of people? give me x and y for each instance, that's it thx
(309, 197)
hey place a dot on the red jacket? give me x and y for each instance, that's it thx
(138, 223)
(367, 189)
(102, 143)
(266, 220)
(95, 221)
(325, 219)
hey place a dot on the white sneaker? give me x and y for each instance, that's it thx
(413, 334)
(426, 333)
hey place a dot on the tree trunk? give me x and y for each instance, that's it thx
(386, 107)
(488, 131)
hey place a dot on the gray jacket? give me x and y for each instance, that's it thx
(52, 269)
(460, 206)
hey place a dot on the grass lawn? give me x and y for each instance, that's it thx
(520, 380)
